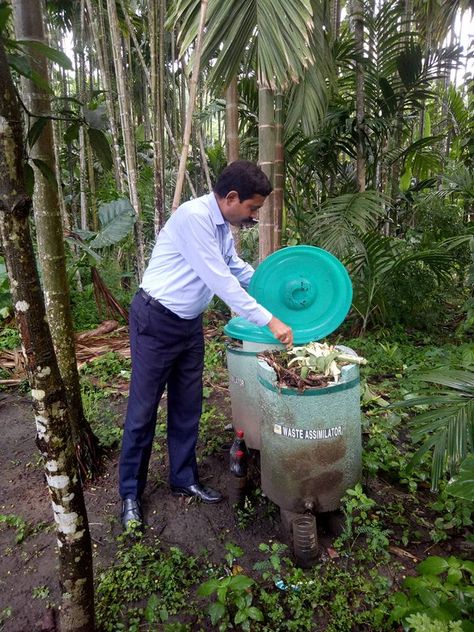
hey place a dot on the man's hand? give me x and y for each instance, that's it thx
(281, 331)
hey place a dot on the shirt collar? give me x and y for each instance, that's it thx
(215, 210)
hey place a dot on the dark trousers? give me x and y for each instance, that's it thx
(167, 351)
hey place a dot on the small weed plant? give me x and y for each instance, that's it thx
(439, 597)
(101, 417)
(362, 521)
(106, 368)
(22, 528)
(127, 596)
(232, 595)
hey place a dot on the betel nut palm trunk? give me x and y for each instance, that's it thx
(28, 21)
(53, 428)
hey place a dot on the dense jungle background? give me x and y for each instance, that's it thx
(111, 113)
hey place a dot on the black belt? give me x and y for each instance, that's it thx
(157, 305)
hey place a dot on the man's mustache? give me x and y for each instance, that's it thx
(249, 223)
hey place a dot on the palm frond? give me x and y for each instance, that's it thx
(341, 220)
(448, 427)
(283, 31)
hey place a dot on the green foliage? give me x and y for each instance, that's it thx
(107, 367)
(214, 358)
(453, 516)
(100, 146)
(168, 577)
(22, 528)
(40, 592)
(5, 614)
(9, 338)
(462, 486)
(211, 430)
(340, 220)
(216, 159)
(272, 567)
(84, 308)
(279, 47)
(15, 522)
(442, 590)
(379, 263)
(384, 451)
(353, 599)
(423, 623)
(100, 415)
(117, 219)
(362, 520)
(249, 245)
(233, 601)
(447, 427)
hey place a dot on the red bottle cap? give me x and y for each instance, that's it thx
(240, 434)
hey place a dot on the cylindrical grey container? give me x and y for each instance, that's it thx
(243, 388)
(311, 443)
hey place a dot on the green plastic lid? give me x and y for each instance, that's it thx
(307, 288)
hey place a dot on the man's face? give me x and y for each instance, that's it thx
(237, 212)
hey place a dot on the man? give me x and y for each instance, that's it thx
(194, 258)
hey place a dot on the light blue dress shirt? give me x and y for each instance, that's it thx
(194, 258)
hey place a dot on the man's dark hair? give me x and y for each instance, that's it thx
(246, 178)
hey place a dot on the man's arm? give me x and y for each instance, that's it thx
(199, 247)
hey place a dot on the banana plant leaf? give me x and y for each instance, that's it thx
(117, 219)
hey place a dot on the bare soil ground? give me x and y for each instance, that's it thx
(28, 579)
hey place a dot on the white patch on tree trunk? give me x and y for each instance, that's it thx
(58, 482)
(22, 306)
(53, 466)
(41, 427)
(67, 521)
(37, 394)
(44, 372)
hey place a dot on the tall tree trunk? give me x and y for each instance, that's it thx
(190, 109)
(279, 175)
(126, 118)
(29, 26)
(232, 136)
(205, 164)
(81, 91)
(266, 158)
(357, 19)
(232, 121)
(101, 43)
(156, 22)
(335, 18)
(49, 402)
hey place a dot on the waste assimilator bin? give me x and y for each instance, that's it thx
(243, 387)
(305, 287)
(309, 441)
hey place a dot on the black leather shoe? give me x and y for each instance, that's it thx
(132, 516)
(206, 494)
